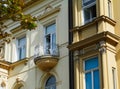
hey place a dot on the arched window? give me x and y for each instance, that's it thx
(51, 83)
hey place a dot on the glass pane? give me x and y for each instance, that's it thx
(93, 11)
(50, 29)
(96, 79)
(22, 41)
(91, 63)
(88, 81)
(54, 41)
(50, 81)
(48, 40)
(86, 14)
(87, 2)
(22, 47)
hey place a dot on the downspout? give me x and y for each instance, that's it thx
(70, 38)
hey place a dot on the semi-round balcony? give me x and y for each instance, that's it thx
(47, 59)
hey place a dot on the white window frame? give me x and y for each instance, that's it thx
(51, 46)
(90, 71)
(83, 8)
(21, 47)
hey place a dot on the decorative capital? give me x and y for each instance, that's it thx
(102, 48)
(76, 54)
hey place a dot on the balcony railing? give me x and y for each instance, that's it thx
(42, 51)
(46, 58)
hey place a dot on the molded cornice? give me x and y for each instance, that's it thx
(103, 36)
(96, 20)
(8, 65)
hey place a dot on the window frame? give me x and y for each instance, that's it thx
(51, 35)
(19, 47)
(91, 71)
(87, 7)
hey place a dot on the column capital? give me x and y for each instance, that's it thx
(102, 47)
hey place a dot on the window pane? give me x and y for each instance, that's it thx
(96, 79)
(91, 63)
(50, 29)
(86, 14)
(22, 41)
(88, 81)
(50, 38)
(53, 41)
(50, 81)
(22, 47)
(93, 11)
(89, 13)
(87, 2)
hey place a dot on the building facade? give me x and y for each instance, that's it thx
(37, 59)
(95, 44)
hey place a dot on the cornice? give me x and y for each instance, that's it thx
(49, 13)
(31, 3)
(103, 36)
(9, 65)
(96, 20)
(4, 64)
(17, 29)
(14, 64)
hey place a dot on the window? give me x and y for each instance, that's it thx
(91, 71)
(22, 48)
(114, 78)
(89, 10)
(51, 83)
(50, 39)
(87, 2)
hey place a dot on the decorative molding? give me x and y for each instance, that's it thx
(8, 65)
(96, 20)
(49, 13)
(90, 48)
(23, 61)
(31, 2)
(17, 29)
(103, 46)
(106, 36)
(76, 55)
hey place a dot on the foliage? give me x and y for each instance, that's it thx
(13, 9)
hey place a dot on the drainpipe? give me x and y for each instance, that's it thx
(70, 38)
